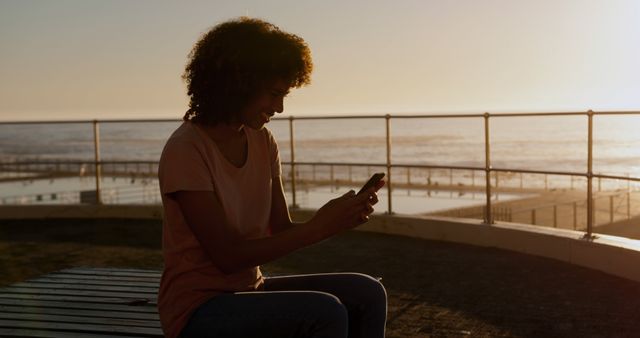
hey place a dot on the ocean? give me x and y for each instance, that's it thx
(557, 143)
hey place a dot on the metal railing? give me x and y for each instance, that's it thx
(488, 169)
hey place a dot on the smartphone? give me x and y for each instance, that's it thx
(375, 178)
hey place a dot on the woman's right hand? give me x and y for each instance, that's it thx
(345, 212)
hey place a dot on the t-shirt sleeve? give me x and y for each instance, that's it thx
(183, 168)
(274, 156)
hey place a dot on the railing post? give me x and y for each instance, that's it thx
(590, 212)
(628, 204)
(571, 177)
(293, 163)
(575, 215)
(96, 151)
(533, 216)
(521, 181)
(389, 184)
(628, 182)
(331, 175)
(599, 184)
(611, 209)
(488, 219)
(546, 182)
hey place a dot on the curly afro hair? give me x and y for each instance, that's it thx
(236, 59)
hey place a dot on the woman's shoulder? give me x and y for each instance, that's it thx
(265, 135)
(184, 138)
(185, 131)
(185, 135)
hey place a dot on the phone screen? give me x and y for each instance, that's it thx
(371, 182)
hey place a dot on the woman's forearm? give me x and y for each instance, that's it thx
(247, 253)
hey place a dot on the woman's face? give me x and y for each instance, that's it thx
(265, 104)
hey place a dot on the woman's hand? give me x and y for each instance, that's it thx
(346, 211)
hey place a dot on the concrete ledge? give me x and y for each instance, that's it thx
(614, 255)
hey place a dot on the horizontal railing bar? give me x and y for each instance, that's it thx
(527, 171)
(338, 164)
(614, 177)
(139, 120)
(617, 113)
(46, 122)
(404, 116)
(539, 114)
(418, 166)
(345, 164)
(90, 121)
(430, 166)
(330, 117)
(338, 117)
(436, 116)
(566, 114)
(87, 161)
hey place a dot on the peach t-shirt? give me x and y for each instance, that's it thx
(191, 161)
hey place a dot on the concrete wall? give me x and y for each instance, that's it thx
(614, 255)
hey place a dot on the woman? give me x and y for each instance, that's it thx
(225, 212)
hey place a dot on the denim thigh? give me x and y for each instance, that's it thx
(364, 297)
(269, 314)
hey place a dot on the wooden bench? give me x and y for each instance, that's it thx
(82, 302)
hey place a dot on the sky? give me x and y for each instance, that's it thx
(86, 59)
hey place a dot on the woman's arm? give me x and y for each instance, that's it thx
(280, 217)
(230, 252)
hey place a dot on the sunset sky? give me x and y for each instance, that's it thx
(123, 59)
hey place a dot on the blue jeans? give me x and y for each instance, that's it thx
(332, 305)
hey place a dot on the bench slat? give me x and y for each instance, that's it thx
(93, 328)
(159, 271)
(102, 278)
(53, 304)
(54, 334)
(64, 298)
(82, 286)
(94, 282)
(111, 273)
(79, 312)
(61, 318)
(87, 293)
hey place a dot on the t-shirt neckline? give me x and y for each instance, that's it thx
(228, 163)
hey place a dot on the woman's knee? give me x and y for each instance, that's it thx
(329, 315)
(327, 305)
(371, 288)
